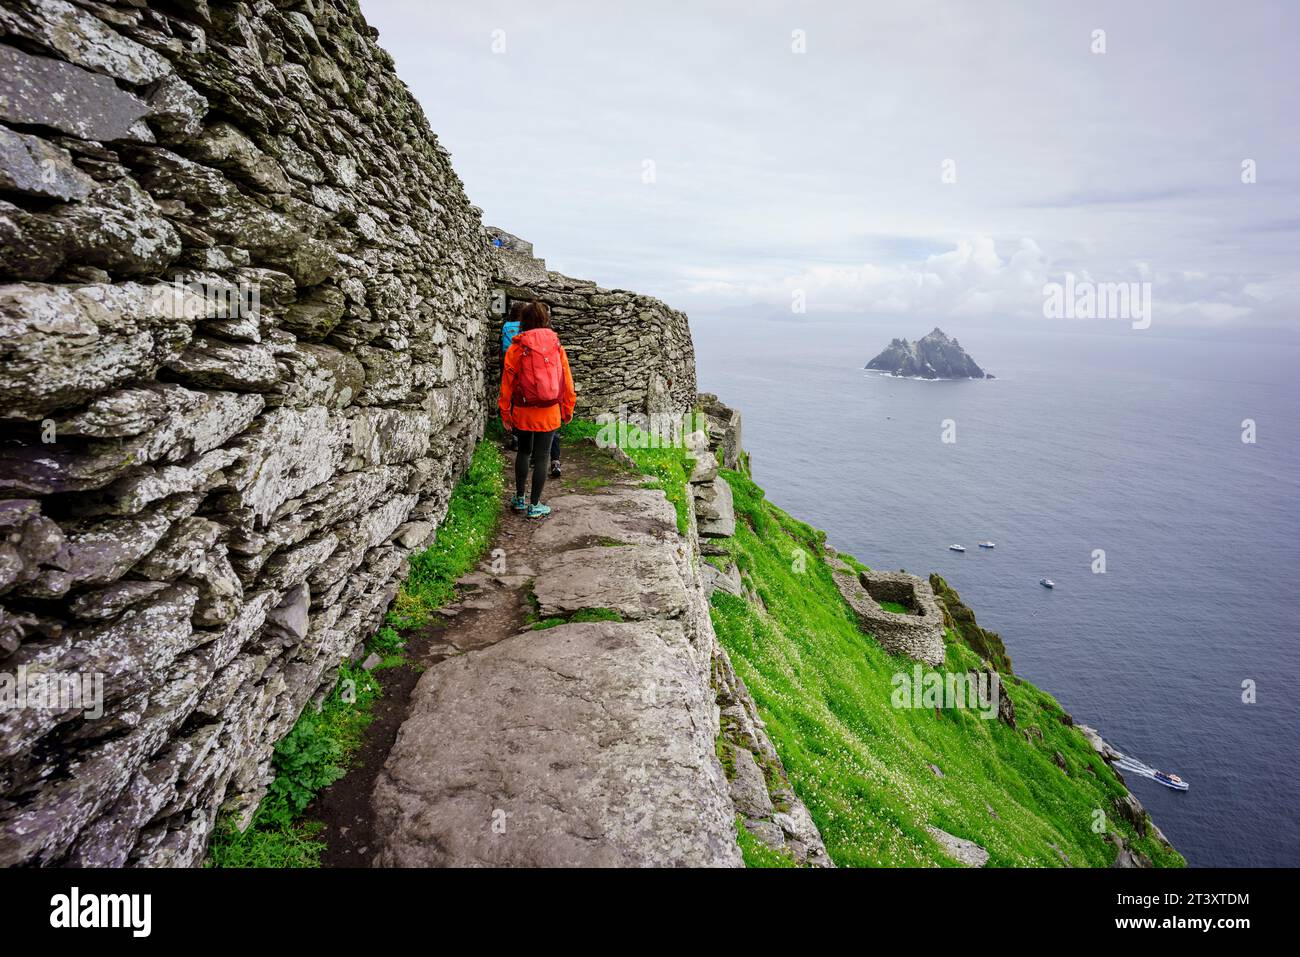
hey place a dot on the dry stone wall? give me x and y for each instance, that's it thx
(629, 353)
(243, 322)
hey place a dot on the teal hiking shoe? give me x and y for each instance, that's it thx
(538, 511)
(519, 503)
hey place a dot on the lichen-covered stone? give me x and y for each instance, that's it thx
(210, 506)
(46, 92)
(30, 165)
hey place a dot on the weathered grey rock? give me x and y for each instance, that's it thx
(32, 166)
(62, 345)
(636, 581)
(212, 469)
(214, 364)
(110, 601)
(705, 468)
(642, 517)
(1104, 750)
(177, 108)
(122, 229)
(717, 580)
(44, 92)
(1127, 857)
(224, 146)
(781, 822)
(314, 318)
(715, 509)
(579, 766)
(960, 849)
(724, 430)
(1130, 809)
(81, 38)
(748, 789)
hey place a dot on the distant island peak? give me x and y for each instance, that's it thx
(934, 356)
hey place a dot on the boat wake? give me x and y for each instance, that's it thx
(1132, 765)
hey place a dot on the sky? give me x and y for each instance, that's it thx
(932, 159)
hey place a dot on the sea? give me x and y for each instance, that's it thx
(1153, 475)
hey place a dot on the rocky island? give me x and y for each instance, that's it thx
(935, 356)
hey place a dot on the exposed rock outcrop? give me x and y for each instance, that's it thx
(933, 356)
(957, 616)
(959, 849)
(724, 431)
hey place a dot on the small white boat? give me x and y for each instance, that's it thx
(987, 545)
(1170, 780)
(1047, 583)
(956, 548)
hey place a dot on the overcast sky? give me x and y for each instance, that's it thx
(822, 171)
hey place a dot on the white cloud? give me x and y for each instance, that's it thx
(824, 168)
(974, 279)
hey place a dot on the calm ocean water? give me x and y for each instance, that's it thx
(1092, 437)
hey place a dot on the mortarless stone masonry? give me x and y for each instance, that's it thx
(210, 507)
(249, 326)
(917, 634)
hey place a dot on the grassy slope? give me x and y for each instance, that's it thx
(316, 751)
(861, 765)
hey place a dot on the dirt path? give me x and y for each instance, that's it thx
(518, 745)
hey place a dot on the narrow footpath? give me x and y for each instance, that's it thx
(562, 718)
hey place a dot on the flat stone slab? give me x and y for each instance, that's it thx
(637, 581)
(554, 749)
(960, 849)
(630, 515)
(41, 91)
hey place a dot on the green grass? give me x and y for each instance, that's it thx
(312, 756)
(668, 468)
(898, 608)
(316, 751)
(463, 536)
(853, 563)
(582, 614)
(860, 764)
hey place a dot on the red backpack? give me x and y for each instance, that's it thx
(541, 371)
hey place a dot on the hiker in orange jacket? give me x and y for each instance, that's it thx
(537, 397)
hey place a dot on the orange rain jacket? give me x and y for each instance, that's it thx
(533, 418)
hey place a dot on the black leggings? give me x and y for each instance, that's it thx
(534, 446)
